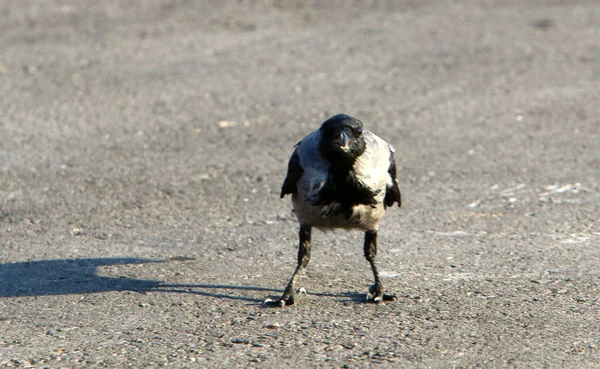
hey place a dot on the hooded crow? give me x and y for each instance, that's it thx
(340, 176)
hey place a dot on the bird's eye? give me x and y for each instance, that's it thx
(359, 131)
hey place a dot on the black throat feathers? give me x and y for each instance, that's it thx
(343, 191)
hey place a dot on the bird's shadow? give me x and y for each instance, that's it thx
(80, 276)
(68, 276)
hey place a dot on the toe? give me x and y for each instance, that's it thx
(389, 297)
(281, 302)
(376, 295)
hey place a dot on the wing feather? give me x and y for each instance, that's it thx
(294, 173)
(392, 193)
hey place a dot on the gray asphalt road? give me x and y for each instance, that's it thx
(143, 145)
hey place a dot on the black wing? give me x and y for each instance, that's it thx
(392, 193)
(294, 173)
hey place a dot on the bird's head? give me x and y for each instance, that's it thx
(342, 139)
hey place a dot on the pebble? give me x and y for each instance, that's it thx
(77, 232)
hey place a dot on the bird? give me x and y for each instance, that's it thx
(341, 176)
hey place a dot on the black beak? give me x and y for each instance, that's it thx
(343, 140)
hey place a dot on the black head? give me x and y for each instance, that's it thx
(342, 139)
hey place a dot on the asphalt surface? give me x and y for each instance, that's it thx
(143, 145)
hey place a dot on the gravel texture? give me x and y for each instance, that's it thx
(143, 145)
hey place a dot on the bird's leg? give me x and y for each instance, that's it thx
(376, 290)
(303, 258)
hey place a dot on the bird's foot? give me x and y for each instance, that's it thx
(280, 302)
(287, 299)
(376, 295)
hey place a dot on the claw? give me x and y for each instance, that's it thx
(278, 302)
(270, 302)
(390, 297)
(378, 296)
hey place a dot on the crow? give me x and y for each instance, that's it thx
(340, 176)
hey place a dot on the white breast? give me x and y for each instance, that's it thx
(372, 166)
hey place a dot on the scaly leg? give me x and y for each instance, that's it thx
(303, 258)
(376, 290)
